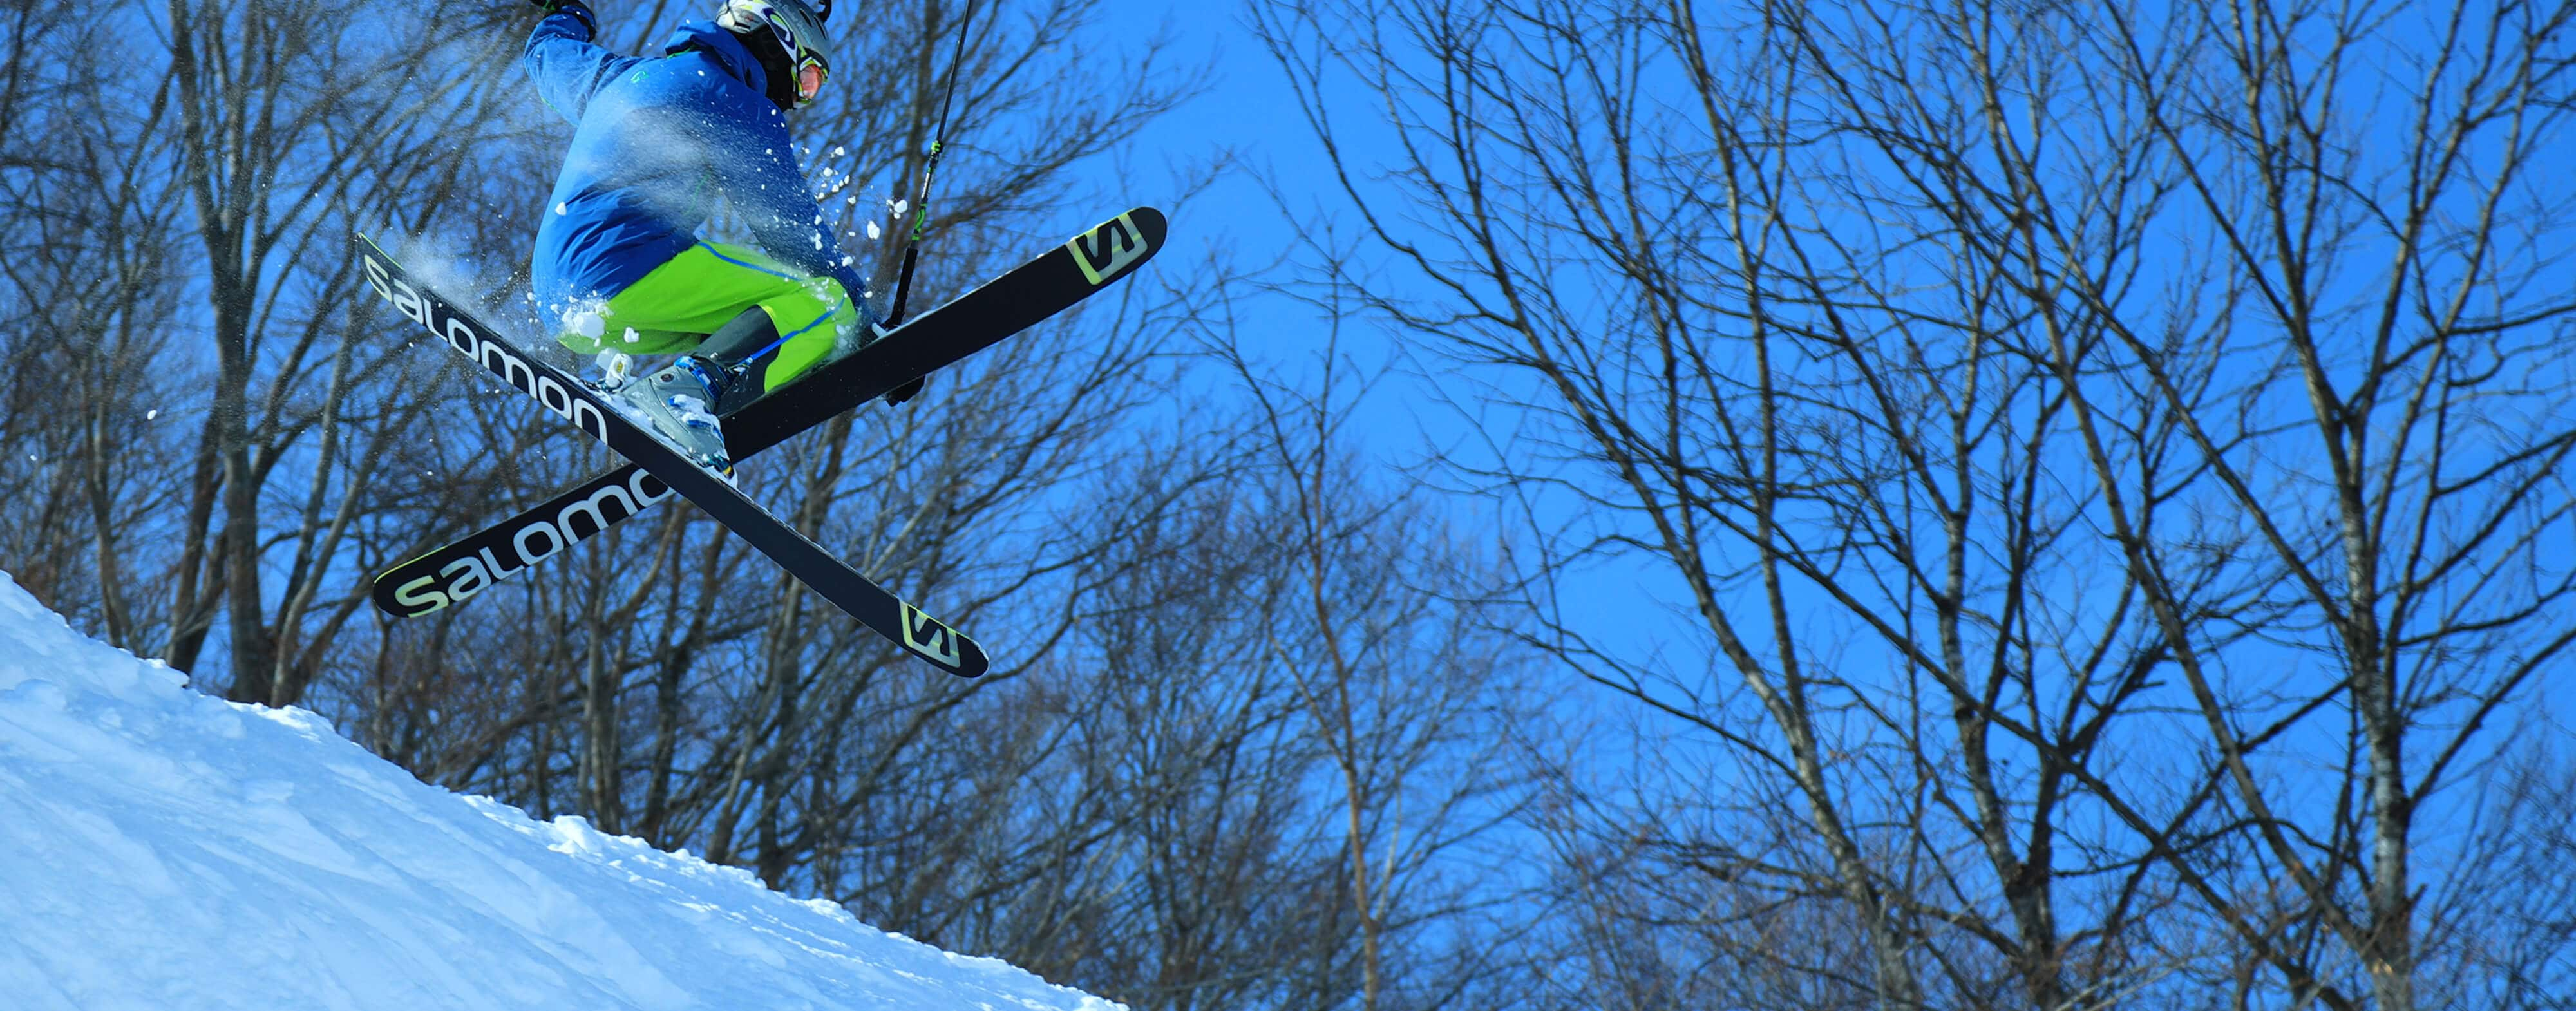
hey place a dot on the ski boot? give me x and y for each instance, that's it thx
(681, 401)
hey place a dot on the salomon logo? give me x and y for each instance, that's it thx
(468, 572)
(1104, 251)
(498, 356)
(924, 635)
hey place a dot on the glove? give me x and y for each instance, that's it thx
(575, 8)
(906, 391)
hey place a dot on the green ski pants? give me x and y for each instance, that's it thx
(673, 308)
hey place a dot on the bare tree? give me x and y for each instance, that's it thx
(2413, 515)
(288, 127)
(1815, 312)
(1384, 634)
(90, 287)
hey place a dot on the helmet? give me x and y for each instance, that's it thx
(801, 63)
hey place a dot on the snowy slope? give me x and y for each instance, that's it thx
(163, 849)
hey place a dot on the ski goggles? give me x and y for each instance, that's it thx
(811, 72)
(794, 31)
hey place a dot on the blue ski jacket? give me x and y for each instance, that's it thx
(655, 142)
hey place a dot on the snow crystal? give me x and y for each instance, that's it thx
(840, 152)
(900, 206)
(872, 231)
(151, 414)
(559, 208)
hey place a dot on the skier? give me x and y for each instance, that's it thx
(618, 264)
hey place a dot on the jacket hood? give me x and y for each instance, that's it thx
(727, 50)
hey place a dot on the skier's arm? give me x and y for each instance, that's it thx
(566, 67)
(760, 177)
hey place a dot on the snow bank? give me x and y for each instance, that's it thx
(160, 848)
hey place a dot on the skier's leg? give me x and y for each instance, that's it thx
(744, 347)
(713, 289)
(750, 331)
(810, 320)
(763, 325)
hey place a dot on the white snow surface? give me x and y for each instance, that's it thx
(161, 848)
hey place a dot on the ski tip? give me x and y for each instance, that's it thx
(1151, 221)
(943, 647)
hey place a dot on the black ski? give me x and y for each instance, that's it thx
(971, 322)
(589, 410)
